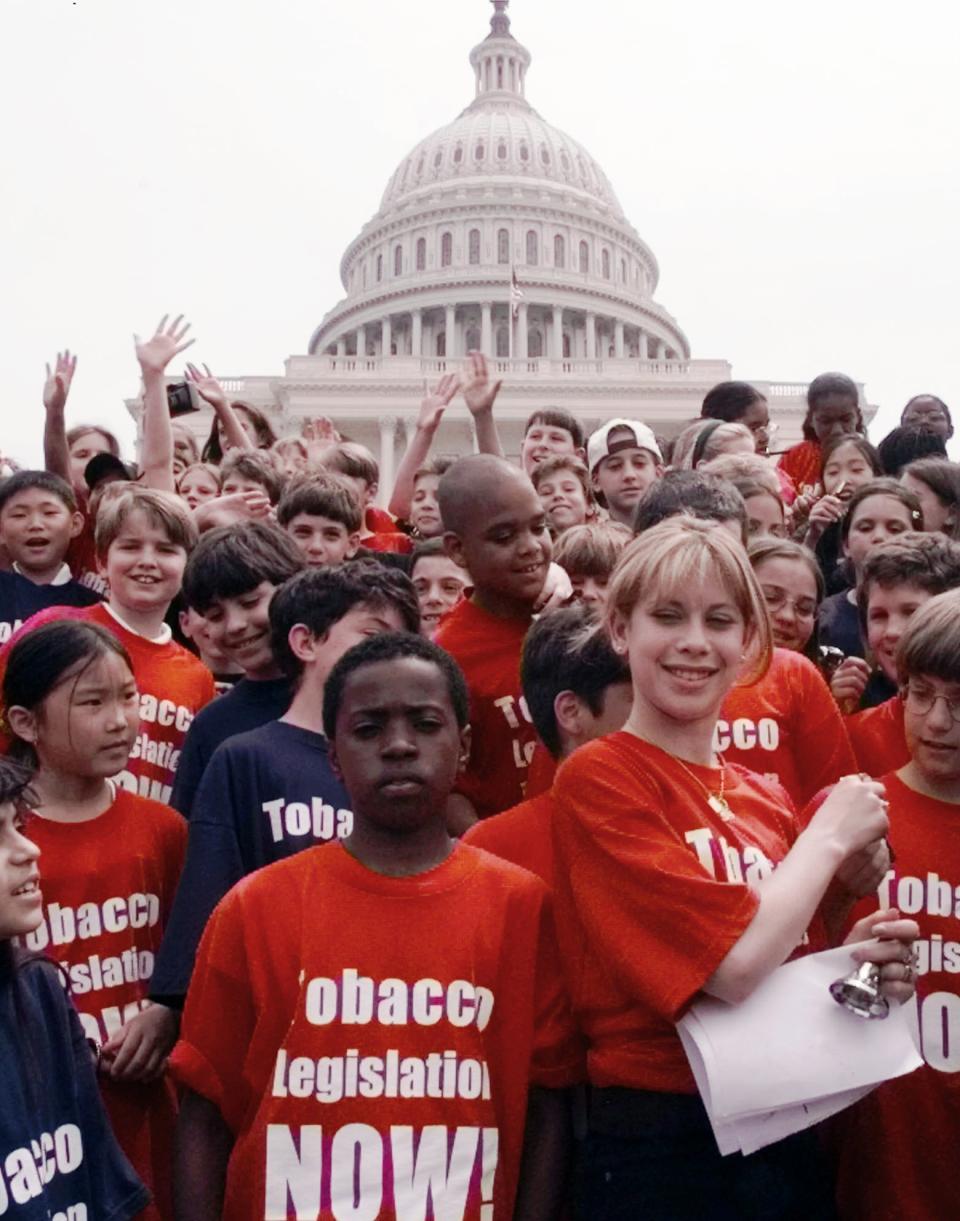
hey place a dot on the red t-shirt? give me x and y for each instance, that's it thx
(368, 1068)
(788, 728)
(379, 521)
(652, 889)
(878, 738)
(173, 684)
(394, 543)
(82, 557)
(898, 1146)
(523, 835)
(802, 463)
(108, 886)
(488, 650)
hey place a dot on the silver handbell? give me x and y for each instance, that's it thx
(860, 992)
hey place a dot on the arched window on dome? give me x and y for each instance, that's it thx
(502, 151)
(438, 158)
(544, 154)
(398, 260)
(499, 73)
(503, 246)
(535, 342)
(446, 249)
(458, 154)
(623, 270)
(533, 248)
(420, 164)
(524, 151)
(421, 254)
(480, 151)
(379, 268)
(474, 246)
(584, 257)
(565, 161)
(559, 251)
(605, 263)
(503, 343)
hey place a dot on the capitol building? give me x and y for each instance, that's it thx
(501, 233)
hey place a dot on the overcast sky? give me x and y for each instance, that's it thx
(794, 169)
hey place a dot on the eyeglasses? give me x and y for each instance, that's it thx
(921, 701)
(777, 600)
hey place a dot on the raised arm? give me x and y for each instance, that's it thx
(431, 412)
(212, 392)
(153, 355)
(479, 393)
(56, 452)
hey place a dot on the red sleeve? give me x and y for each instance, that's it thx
(659, 921)
(559, 1051)
(824, 750)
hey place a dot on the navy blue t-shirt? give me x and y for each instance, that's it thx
(58, 1156)
(839, 624)
(248, 705)
(265, 795)
(20, 598)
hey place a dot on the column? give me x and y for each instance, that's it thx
(361, 341)
(557, 333)
(591, 336)
(417, 332)
(342, 346)
(523, 349)
(451, 331)
(388, 430)
(642, 349)
(618, 339)
(486, 328)
(386, 331)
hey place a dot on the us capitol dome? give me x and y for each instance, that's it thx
(500, 233)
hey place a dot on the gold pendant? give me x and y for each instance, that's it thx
(719, 806)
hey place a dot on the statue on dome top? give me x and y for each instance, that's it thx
(500, 22)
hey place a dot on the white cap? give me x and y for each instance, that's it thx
(637, 436)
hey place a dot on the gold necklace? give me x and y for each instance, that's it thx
(716, 801)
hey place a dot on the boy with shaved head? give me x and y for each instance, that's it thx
(495, 527)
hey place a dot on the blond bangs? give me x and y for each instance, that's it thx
(680, 554)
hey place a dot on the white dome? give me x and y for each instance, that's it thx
(499, 137)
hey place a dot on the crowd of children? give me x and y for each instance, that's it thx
(359, 863)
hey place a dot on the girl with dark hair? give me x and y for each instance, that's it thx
(833, 408)
(792, 586)
(49, 1100)
(848, 462)
(235, 425)
(111, 864)
(936, 484)
(740, 403)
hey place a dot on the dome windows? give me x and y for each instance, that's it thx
(524, 151)
(503, 246)
(421, 254)
(420, 165)
(458, 154)
(438, 158)
(605, 263)
(559, 251)
(502, 151)
(565, 160)
(533, 248)
(480, 151)
(474, 247)
(446, 249)
(398, 260)
(544, 154)
(584, 257)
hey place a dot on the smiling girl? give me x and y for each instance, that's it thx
(679, 875)
(111, 864)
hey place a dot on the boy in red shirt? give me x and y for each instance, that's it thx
(143, 539)
(372, 1071)
(898, 578)
(495, 528)
(898, 1147)
(577, 689)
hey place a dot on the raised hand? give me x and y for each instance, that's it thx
(207, 386)
(156, 353)
(848, 683)
(57, 386)
(436, 401)
(823, 513)
(478, 390)
(320, 429)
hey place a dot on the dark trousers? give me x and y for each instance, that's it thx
(652, 1157)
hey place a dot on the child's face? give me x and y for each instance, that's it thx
(88, 723)
(765, 516)
(143, 567)
(876, 520)
(846, 470)
(321, 539)
(508, 552)
(196, 487)
(246, 423)
(36, 528)
(358, 624)
(194, 627)
(85, 447)
(563, 500)
(685, 648)
(925, 412)
(397, 745)
(591, 591)
(424, 510)
(21, 901)
(933, 736)
(889, 610)
(240, 629)
(623, 478)
(241, 483)
(439, 583)
(364, 491)
(937, 515)
(292, 461)
(790, 592)
(833, 415)
(184, 451)
(544, 441)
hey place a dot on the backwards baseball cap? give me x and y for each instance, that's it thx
(616, 435)
(105, 466)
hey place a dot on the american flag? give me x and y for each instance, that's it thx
(516, 295)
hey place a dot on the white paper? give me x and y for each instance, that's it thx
(789, 1056)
